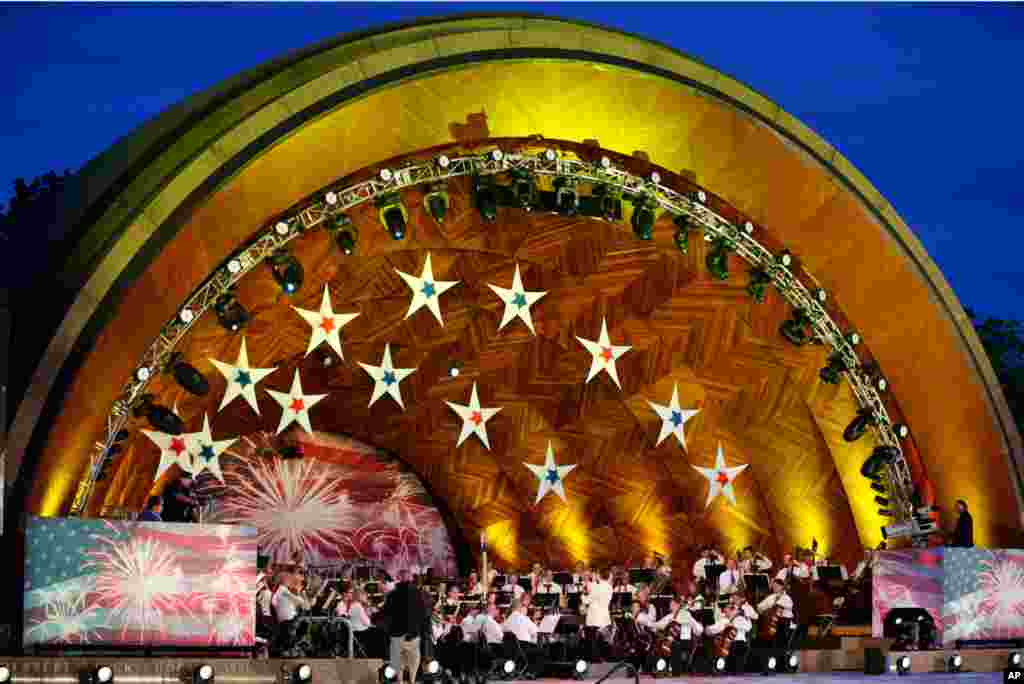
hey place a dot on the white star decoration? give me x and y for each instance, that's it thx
(326, 325)
(426, 291)
(242, 379)
(604, 355)
(673, 418)
(517, 302)
(295, 405)
(720, 478)
(474, 418)
(206, 452)
(550, 476)
(386, 377)
(173, 451)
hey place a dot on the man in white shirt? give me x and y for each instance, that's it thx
(525, 632)
(740, 647)
(743, 607)
(547, 585)
(786, 570)
(730, 581)
(512, 586)
(471, 624)
(782, 600)
(286, 605)
(689, 629)
(489, 626)
(598, 617)
(754, 562)
(708, 556)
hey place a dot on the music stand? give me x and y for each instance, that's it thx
(573, 602)
(638, 576)
(499, 581)
(830, 573)
(705, 616)
(712, 571)
(525, 583)
(563, 579)
(503, 598)
(757, 581)
(544, 601)
(622, 600)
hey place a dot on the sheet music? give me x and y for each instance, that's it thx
(548, 624)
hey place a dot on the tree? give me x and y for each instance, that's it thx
(1003, 340)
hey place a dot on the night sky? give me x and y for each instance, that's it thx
(925, 100)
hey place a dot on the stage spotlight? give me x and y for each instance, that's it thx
(497, 155)
(392, 215)
(186, 375)
(302, 673)
(902, 431)
(386, 175)
(580, 669)
(509, 667)
(903, 665)
(186, 315)
(142, 374)
(771, 665)
(486, 199)
(387, 674)
(101, 675)
(758, 285)
(795, 329)
(550, 155)
(853, 339)
(660, 666)
(524, 189)
(164, 419)
(833, 371)
(701, 196)
(682, 236)
(5, 674)
(643, 219)
(436, 203)
(331, 198)
(859, 425)
(606, 163)
(203, 675)
(655, 177)
(748, 228)
(785, 258)
(234, 267)
(432, 672)
(346, 235)
(820, 295)
(792, 662)
(443, 162)
(1014, 659)
(454, 368)
(282, 228)
(955, 662)
(566, 201)
(231, 315)
(717, 261)
(720, 663)
(880, 457)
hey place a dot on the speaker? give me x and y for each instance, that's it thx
(874, 661)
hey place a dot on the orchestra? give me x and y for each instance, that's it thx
(718, 610)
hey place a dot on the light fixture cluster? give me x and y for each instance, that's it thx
(609, 185)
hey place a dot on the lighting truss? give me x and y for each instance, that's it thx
(318, 211)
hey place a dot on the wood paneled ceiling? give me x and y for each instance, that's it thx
(759, 396)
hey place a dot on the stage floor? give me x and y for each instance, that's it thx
(813, 677)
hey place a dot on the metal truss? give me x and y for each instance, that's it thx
(339, 199)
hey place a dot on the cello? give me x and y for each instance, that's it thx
(723, 642)
(663, 646)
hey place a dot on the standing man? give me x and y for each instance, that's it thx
(598, 609)
(406, 614)
(963, 534)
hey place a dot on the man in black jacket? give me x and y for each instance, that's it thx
(963, 534)
(405, 612)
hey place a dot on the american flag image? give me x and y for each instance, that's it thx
(114, 583)
(911, 578)
(984, 595)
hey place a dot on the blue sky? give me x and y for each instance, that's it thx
(919, 97)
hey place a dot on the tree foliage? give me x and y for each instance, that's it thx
(1003, 340)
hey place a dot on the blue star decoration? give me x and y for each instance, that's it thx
(207, 452)
(243, 378)
(552, 476)
(519, 299)
(677, 418)
(428, 289)
(388, 379)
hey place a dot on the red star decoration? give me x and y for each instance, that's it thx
(327, 324)
(476, 417)
(297, 405)
(606, 353)
(722, 478)
(177, 445)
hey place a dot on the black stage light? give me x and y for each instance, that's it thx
(346, 235)
(5, 674)
(784, 258)
(432, 672)
(795, 329)
(164, 419)
(508, 668)
(660, 667)
(454, 368)
(682, 236)
(771, 665)
(901, 431)
(486, 199)
(833, 370)
(230, 314)
(955, 663)
(566, 201)
(859, 425)
(97, 675)
(792, 662)
(903, 664)
(880, 457)
(436, 203)
(301, 674)
(758, 285)
(287, 271)
(720, 663)
(186, 375)
(1014, 661)
(203, 675)
(717, 261)
(643, 219)
(387, 674)
(580, 669)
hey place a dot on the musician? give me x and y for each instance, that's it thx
(779, 598)
(536, 575)
(737, 654)
(344, 605)
(688, 629)
(525, 631)
(578, 578)
(693, 600)
(491, 627)
(548, 584)
(473, 586)
(643, 617)
(406, 615)
(622, 585)
(286, 603)
(751, 562)
(730, 581)
(963, 533)
(264, 608)
(743, 606)
(513, 587)
(786, 570)
(598, 616)
(454, 597)
(650, 562)
(471, 623)
(806, 568)
(643, 598)
(179, 500)
(708, 556)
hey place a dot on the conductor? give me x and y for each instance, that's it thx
(405, 613)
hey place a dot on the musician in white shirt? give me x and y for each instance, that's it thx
(788, 568)
(643, 618)
(752, 562)
(513, 587)
(471, 624)
(547, 585)
(643, 597)
(525, 631)
(473, 586)
(779, 598)
(579, 578)
(740, 646)
(598, 617)
(743, 607)
(489, 626)
(708, 556)
(730, 581)
(689, 629)
(286, 603)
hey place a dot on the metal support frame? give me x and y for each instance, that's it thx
(317, 211)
